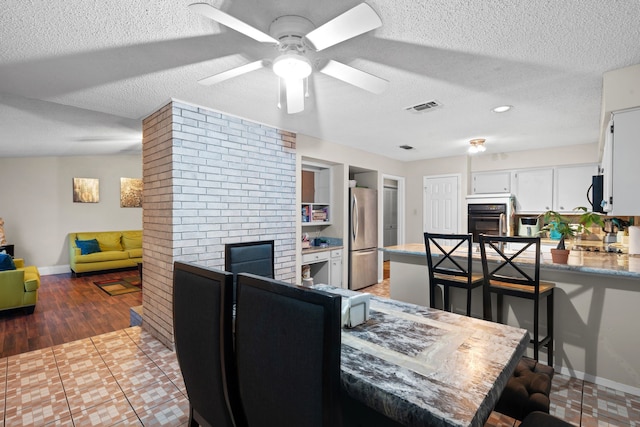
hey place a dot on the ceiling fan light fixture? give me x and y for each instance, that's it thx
(477, 146)
(292, 66)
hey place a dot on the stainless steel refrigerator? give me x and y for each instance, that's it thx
(363, 237)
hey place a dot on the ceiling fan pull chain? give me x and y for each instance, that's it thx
(279, 94)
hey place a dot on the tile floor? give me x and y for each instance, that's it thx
(128, 378)
(124, 378)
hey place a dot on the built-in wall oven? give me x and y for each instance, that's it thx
(492, 214)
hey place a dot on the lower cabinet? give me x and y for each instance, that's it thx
(326, 266)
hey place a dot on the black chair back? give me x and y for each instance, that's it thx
(250, 257)
(449, 264)
(287, 353)
(202, 324)
(505, 269)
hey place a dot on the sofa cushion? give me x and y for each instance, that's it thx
(6, 262)
(103, 256)
(135, 253)
(132, 240)
(88, 246)
(109, 241)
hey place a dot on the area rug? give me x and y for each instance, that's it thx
(120, 286)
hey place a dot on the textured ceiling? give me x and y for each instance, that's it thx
(77, 76)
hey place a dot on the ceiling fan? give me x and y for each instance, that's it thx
(294, 37)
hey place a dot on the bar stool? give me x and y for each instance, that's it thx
(449, 271)
(507, 277)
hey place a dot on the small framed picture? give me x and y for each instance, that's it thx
(130, 193)
(86, 190)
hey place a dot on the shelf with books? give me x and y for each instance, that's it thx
(315, 214)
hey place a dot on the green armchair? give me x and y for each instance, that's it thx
(19, 287)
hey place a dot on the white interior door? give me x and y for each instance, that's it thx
(441, 210)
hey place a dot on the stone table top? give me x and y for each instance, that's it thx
(421, 366)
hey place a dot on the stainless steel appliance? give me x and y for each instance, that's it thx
(363, 237)
(491, 214)
(528, 226)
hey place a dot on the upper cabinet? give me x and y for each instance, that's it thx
(316, 195)
(622, 172)
(491, 182)
(571, 187)
(533, 189)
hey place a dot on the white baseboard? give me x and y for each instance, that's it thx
(54, 269)
(600, 381)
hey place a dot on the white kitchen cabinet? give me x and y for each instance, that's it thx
(491, 182)
(625, 173)
(533, 190)
(571, 185)
(326, 266)
(336, 268)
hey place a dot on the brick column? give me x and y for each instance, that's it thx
(210, 179)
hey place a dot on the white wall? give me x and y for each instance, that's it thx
(36, 203)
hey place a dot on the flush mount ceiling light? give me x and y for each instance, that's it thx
(477, 146)
(502, 108)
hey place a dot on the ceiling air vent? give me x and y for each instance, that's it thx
(424, 107)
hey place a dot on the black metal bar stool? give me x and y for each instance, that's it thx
(505, 276)
(448, 271)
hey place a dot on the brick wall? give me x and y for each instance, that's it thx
(211, 179)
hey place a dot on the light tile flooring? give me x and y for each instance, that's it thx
(128, 378)
(124, 378)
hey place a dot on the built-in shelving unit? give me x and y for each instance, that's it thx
(316, 195)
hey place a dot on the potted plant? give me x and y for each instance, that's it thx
(560, 225)
(555, 223)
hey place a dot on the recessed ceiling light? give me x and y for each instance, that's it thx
(502, 108)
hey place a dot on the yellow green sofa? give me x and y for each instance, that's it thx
(19, 287)
(117, 249)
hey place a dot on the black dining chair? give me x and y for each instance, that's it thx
(256, 257)
(202, 321)
(449, 265)
(516, 273)
(287, 353)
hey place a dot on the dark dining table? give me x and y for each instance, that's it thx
(418, 366)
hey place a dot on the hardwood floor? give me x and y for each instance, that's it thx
(68, 309)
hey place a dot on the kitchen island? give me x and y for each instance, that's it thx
(597, 310)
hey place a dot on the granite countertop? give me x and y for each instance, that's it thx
(420, 366)
(314, 249)
(614, 264)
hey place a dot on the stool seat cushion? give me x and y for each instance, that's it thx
(527, 390)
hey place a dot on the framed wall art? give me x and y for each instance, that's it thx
(130, 193)
(86, 190)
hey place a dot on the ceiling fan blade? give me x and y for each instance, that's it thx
(355, 77)
(352, 23)
(295, 95)
(227, 20)
(229, 74)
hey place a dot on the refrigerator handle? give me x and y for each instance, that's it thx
(354, 217)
